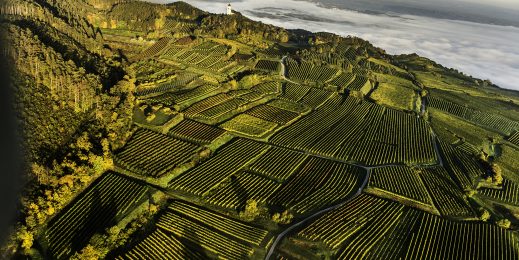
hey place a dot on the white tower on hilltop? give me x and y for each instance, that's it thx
(229, 9)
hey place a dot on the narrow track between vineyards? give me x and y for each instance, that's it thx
(282, 235)
(284, 70)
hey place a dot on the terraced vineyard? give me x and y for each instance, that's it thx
(306, 191)
(154, 49)
(188, 231)
(172, 86)
(272, 114)
(509, 192)
(269, 66)
(222, 108)
(401, 184)
(438, 238)
(465, 169)
(225, 138)
(315, 97)
(177, 97)
(362, 132)
(343, 80)
(303, 71)
(195, 132)
(95, 209)
(204, 237)
(294, 92)
(367, 227)
(381, 238)
(234, 192)
(335, 227)
(278, 163)
(206, 55)
(492, 121)
(153, 154)
(360, 84)
(160, 244)
(290, 106)
(267, 88)
(221, 223)
(468, 148)
(249, 126)
(449, 200)
(514, 138)
(202, 179)
(206, 104)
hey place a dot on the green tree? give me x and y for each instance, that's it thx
(485, 215)
(26, 238)
(89, 252)
(83, 142)
(504, 223)
(283, 218)
(498, 174)
(252, 210)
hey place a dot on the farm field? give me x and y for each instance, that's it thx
(406, 140)
(401, 184)
(109, 198)
(212, 172)
(451, 201)
(195, 132)
(248, 125)
(407, 235)
(153, 154)
(509, 192)
(188, 231)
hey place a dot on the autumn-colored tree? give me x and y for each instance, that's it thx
(252, 210)
(89, 253)
(498, 174)
(485, 215)
(283, 218)
(26, 238)
(504, 223)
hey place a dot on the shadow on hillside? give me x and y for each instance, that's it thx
(190, 238)
(101, 215)
(239, 191)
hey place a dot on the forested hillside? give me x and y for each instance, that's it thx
(72, 98)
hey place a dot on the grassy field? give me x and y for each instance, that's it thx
(397, 97)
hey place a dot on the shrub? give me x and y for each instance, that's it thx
(504, 223)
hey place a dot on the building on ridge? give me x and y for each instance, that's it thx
(229, 9)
